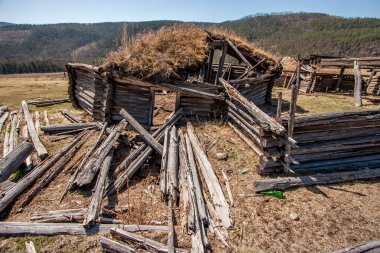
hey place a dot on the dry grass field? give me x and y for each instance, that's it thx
(329, 217)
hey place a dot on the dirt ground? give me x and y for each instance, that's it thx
(328, 217)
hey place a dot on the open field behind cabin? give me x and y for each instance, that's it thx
(328, 217)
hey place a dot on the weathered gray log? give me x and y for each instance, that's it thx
(261, 116)
(317, 179)
(71, 116)
(30, 178)
(239, 53)
(97, 196)
(18, 126)
(54, 129)
(30, 228)
(46, 119)
(3, 109)
(211, 180)
(201, 206)
(41, 150)
(14, 159)
(340, 78)
(229, 192)
(373, 246)
(164, 163)
(5, 186)
(48, 102)
(90, 169)
(6, 141)
(13, 131)
(173, 165)
(37, 124)
(171, 233)
(29, 247)
(221, 63)
(3, 118)
(84, 160)
(147, 243)
(144, 134)
(358, 85)
(57, 169)
(279, 105)
(112, 246)
(28, 160)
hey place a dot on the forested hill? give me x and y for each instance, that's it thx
(45, 48)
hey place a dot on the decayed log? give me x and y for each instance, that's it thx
(141, 240)
(229, 192)
(171, 233)
(144, 134)
(211, 180)
(317, 179)
(358, 85)
(6, 141)
(64, 128)
(13, 131)
(46, 119)
(3, 118)
(373, 246)
(184, 169)
(14, 159)
(30, 178)
(29, 247)
(201, 206)
(279, 105)
(112, 246)
(97, 196)
(84, 160)
(18, 126)
(57, 168)
(71, 116)
(261, 116)
(28, 160)
(41, 151)
(164, 163)
(89, 170)
(30, 228)
(37, 122)
(5, 186)
(173, 165)
(48, 102)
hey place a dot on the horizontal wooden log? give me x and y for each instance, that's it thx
(67, 127)
(14, 159)
(71, 116)
(318, 179)
(50, 229)
(112, 246)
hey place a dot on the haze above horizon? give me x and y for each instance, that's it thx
(48, 12)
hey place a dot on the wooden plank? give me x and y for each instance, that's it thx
(145, 135)
(3, 118)
(340, 78)
(14, 159)
(317, 179)
(41, 150)
(173, 165)
(112, 246)
(6, 141)
(53, 129)
(358, 85)
(238, 53)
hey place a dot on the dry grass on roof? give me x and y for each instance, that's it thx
(162, 54)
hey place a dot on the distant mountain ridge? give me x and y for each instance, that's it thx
(45, 48)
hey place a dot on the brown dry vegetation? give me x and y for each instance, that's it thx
(330, 217)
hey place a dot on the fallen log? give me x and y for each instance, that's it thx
(373, 246)
(317, 179)
(229, 192)
(112, 246)
(211, 180)
(264, 119)
(13, 131)
(144, 134)
(3, 118)
(71, 116)
(147, 243)
(6, 141)
(30, 178)
(14, 159)
(173, 165)
(97, 196)
(50, 229)
(40, 103)
(37, 124)
(28, 160)
(41, 151)
(64, 128)
(164, 162)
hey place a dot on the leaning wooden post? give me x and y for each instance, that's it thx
(292, 113)
(221, 63)
(279, 105)
(41, 150)
(340, 78)
(358, 85)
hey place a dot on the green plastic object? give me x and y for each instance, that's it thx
(276, 194)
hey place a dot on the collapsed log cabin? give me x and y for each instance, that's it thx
(333, 74)
(194, 76)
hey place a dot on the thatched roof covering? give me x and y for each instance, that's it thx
(165, 54)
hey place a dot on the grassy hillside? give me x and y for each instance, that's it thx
(44, 48)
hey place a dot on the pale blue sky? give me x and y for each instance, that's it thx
(87, 11)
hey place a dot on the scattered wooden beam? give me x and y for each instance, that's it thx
(49, 102)
(112, 246)
(13, 131)
(29, 247)
(261, 116)
(144, 134)
(51, 229)
(6, 141)
(164, 163)
(14, 159)
(97, 196)
(3, 118)
(28, 160)
(373, 246)
(71, 116)
(238, 53)
(229, 192)
(147, 243)
(41, 150)
(317, 179)
(211, 180)
(173, 165)
(64, 128)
